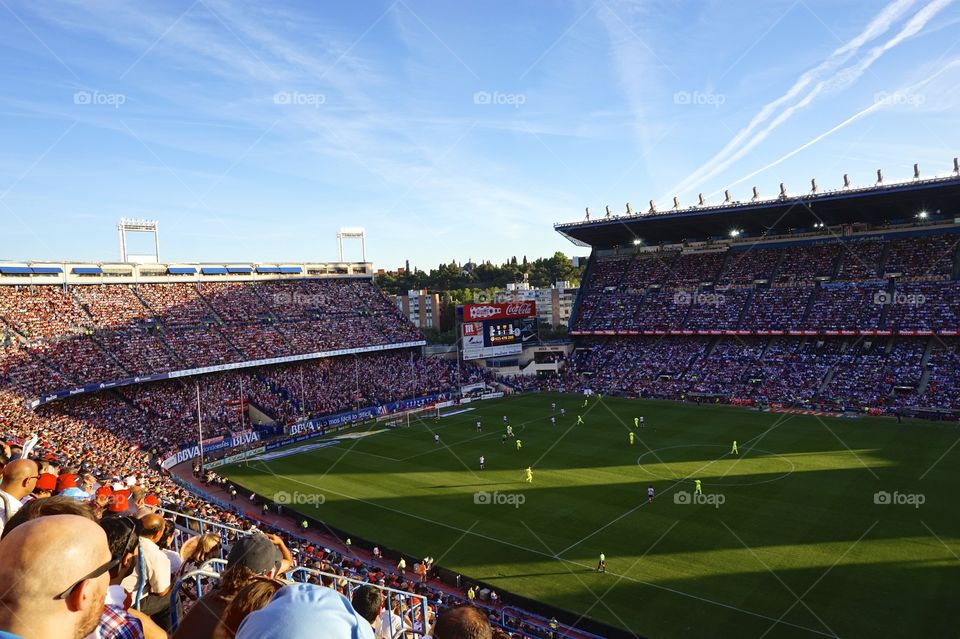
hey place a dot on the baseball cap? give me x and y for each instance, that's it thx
(119, 502)
(256, 552)
(67, 480)
(46, 481)
(304, 611)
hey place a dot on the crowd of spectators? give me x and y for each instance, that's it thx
(751, 264)
(923, 257)
(847, 306)
(92, 333)
(860, 259)
(836, 285)
(777, 308)
(884, 375)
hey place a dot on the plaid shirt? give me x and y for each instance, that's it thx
(115, 623)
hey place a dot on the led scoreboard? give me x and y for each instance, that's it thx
(493, 330)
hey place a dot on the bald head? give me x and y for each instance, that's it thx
(42, 558)
(19, 477)
(152, 526)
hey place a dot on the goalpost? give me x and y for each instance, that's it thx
(408, 417)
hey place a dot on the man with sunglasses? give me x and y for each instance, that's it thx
(55, 574)
(119, 620)
(19, 480)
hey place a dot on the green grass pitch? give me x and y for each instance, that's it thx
(789, 541)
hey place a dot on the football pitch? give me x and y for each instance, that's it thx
(818, 527)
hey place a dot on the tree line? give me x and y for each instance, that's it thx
(469, 283)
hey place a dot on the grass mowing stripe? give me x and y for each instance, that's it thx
(589, 490)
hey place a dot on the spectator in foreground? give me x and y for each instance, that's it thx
(368, 602)
(254, 596)
(300, 611)
(462, 622)
(118, 620)
(55, 574)
(250, 557)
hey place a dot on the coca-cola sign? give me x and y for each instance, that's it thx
(509, 310)
(522, 309)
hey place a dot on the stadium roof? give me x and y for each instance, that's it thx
(877, 205)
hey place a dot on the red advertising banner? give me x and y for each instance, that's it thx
(472, 328)
(508, 310)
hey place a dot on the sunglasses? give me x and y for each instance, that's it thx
(129, 546)
(93, 575)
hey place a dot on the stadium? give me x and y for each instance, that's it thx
(732, 418)
(818, 335)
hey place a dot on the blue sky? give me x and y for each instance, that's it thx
(448, 130)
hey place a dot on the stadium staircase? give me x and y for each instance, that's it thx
(711, 346)
(925, 366)
(891, 290)
(575, 311)
(162, 332)
(828, 377)
(764, 349)
(746, 306)
(810, 302)
(776, 267)
(837, 265)
(276, 324)
(882, 262)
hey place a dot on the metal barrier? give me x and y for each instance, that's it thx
(228, 534)
(205, 570)
(196, 526)
(413, 609)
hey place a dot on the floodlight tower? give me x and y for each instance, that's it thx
(352, 234)
(138, 226)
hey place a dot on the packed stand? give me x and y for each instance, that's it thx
(838, 285)
(90, 333)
